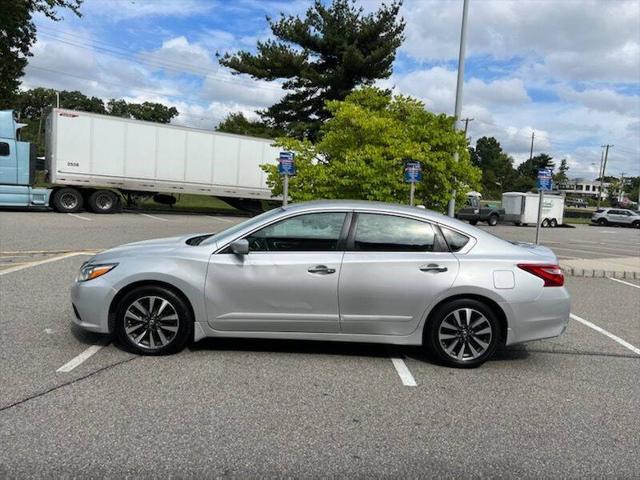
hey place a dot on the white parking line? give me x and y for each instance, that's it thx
(622, 281)
(42, 262)
(154, 217)
(78, 360)
(604, 332)
(404, 372)
(74, 215)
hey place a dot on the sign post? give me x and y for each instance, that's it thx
(287, 168)
(545, 176)
(412, 175)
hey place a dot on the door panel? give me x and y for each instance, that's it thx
(274, 291)
(393, 270)
(387, 293)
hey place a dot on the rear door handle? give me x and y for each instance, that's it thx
(432, 267)
(322, 270)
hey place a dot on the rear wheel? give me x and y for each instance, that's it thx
(545, 223)
(473, 222)
(103, 201)
(463, 333)
(67, 200)
(493, 220)
(153, 321)
(553, 223)
(636, 224)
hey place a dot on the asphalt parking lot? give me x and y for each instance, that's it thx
(75, 405)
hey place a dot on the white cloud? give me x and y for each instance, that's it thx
(118, 10)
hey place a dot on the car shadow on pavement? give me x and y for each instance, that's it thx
(89, 338)
(313, 347)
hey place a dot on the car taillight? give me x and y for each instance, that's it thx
(551, 274)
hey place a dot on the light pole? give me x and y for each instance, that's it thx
(458, 108)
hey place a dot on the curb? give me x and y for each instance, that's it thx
(597, 273)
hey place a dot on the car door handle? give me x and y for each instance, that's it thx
(322, 270)
(432, 267)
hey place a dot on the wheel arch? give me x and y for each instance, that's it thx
(490, 303)
(145, 283)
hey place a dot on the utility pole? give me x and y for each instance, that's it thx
(466, 125)
(600, 174)
(458, 108)
(604, 168)
(620, 195)
(533, 135)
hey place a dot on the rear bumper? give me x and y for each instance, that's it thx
(546, 317)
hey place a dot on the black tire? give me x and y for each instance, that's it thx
(473, 222)
(103, 201)
(517, 224)
(176, 340)
(493, 220)
(445, 312)
(67, 200)
(553, 223)
(636, 224)
(545, 223)
(603, 222)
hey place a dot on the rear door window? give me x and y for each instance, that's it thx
(389, 233)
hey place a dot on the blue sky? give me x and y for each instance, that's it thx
(570, 70)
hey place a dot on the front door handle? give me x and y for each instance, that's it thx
(432, 267)
(322, 270)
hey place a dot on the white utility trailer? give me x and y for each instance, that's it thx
(88, 153)
(522, 209)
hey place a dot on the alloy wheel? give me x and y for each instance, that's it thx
(151, 322)
(69, 201)
(465, 334)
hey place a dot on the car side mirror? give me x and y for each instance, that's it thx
(240, 247)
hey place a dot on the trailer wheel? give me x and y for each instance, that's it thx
(103, 201)
(553, 223)
(67, 200)
(545, 223)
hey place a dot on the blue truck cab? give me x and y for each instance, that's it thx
(18, 167)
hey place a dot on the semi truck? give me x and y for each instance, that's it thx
(95, 161)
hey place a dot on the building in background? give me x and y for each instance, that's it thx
(584, 188)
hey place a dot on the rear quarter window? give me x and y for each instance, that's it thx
(455, 240)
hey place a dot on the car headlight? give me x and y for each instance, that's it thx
(89, 271)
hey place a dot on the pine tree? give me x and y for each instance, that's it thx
(321, 57)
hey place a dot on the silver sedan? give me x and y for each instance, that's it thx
(329, 270)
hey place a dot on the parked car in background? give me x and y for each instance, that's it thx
(475, 212)
(616, 216)
(329, 270)
(576, 202)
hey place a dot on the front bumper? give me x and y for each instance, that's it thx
(91, 301)
(546, 317)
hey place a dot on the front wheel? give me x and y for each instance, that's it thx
(636, 224)
(463, 333)
(153, 321)
(603, 222)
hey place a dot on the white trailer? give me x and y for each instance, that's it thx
(93, 156)
(522, 209)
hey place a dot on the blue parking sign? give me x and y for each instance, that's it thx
(545, 178)
(286, 163)
(412, 172)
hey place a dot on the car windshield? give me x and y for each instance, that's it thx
(242, 225)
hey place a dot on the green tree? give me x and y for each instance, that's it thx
(527, 172)
(364, 147)
(149, 111)
(322, 57)
(498, 174)
(561, 176)
(17, 35)
(239, 124)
